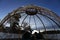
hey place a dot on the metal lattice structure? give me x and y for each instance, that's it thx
(36, 16)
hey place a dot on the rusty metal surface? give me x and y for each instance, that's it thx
(20, 10)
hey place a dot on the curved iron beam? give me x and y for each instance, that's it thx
(50, 19)
(41, 21)
(23, 20)
(35, 21)
(29, 19)
(49, 22)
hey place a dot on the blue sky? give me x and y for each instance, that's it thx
(6, 6)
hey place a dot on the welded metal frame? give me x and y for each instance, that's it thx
(22, 10)
(41, 9)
